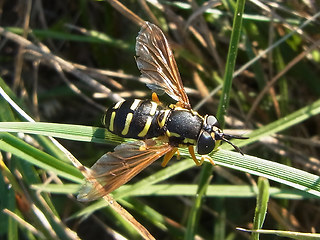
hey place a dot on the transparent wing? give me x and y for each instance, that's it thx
(116, 168)
(155, 60)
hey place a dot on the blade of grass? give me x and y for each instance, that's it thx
(280, 125)
(231, 61)
(281, 173)
(27, 205)
(64, 131)
(223, 105)
(286, 234)
(90, 37)
(7, 202)
(7, 115)
(218, 191)
(261, 207)
(193, 220)
(154, 217)
(16, 146)
(218, 13)
(122, 224)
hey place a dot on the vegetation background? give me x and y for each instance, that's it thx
(67, 61)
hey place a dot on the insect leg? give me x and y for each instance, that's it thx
(178, 154)
(206, 157)
(191, 151)
(203, 158)
(168, 156)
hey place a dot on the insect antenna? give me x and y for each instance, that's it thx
(227, 137)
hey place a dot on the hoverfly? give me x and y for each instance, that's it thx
(158, 130)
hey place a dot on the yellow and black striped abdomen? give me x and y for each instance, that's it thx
(133, 119)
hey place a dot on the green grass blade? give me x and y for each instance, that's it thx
(8, 225)
(64, 131)
(91, 37)
(261, 206)
(68, 188)
(147, 212)
(16, 146)
(196, 206)
(286, 234)
(231, 61)
(223, 105)
(218, 13)
(280, 125)
(274, 171)
(190, 190)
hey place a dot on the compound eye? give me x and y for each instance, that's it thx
(205, 143)
(212, 121)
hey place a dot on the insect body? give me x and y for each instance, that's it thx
(145, 119)
(159, 130)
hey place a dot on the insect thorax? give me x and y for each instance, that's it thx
(182, 126)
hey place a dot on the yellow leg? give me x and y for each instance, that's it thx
(155, 98)
(191, 151)
(204, 157)
(168, 156)
(178, 154)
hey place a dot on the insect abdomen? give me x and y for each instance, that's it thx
(133, 119)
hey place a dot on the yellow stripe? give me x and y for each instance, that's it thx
(118, 104)
(172, 106)
(146, 128)
(153, 108)
(127, 124)
(103, 120)
(189, 140)
(218, 143)
(163, 121)
(113, 115)
(195, 113)
(135, 104)
(172, 134)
